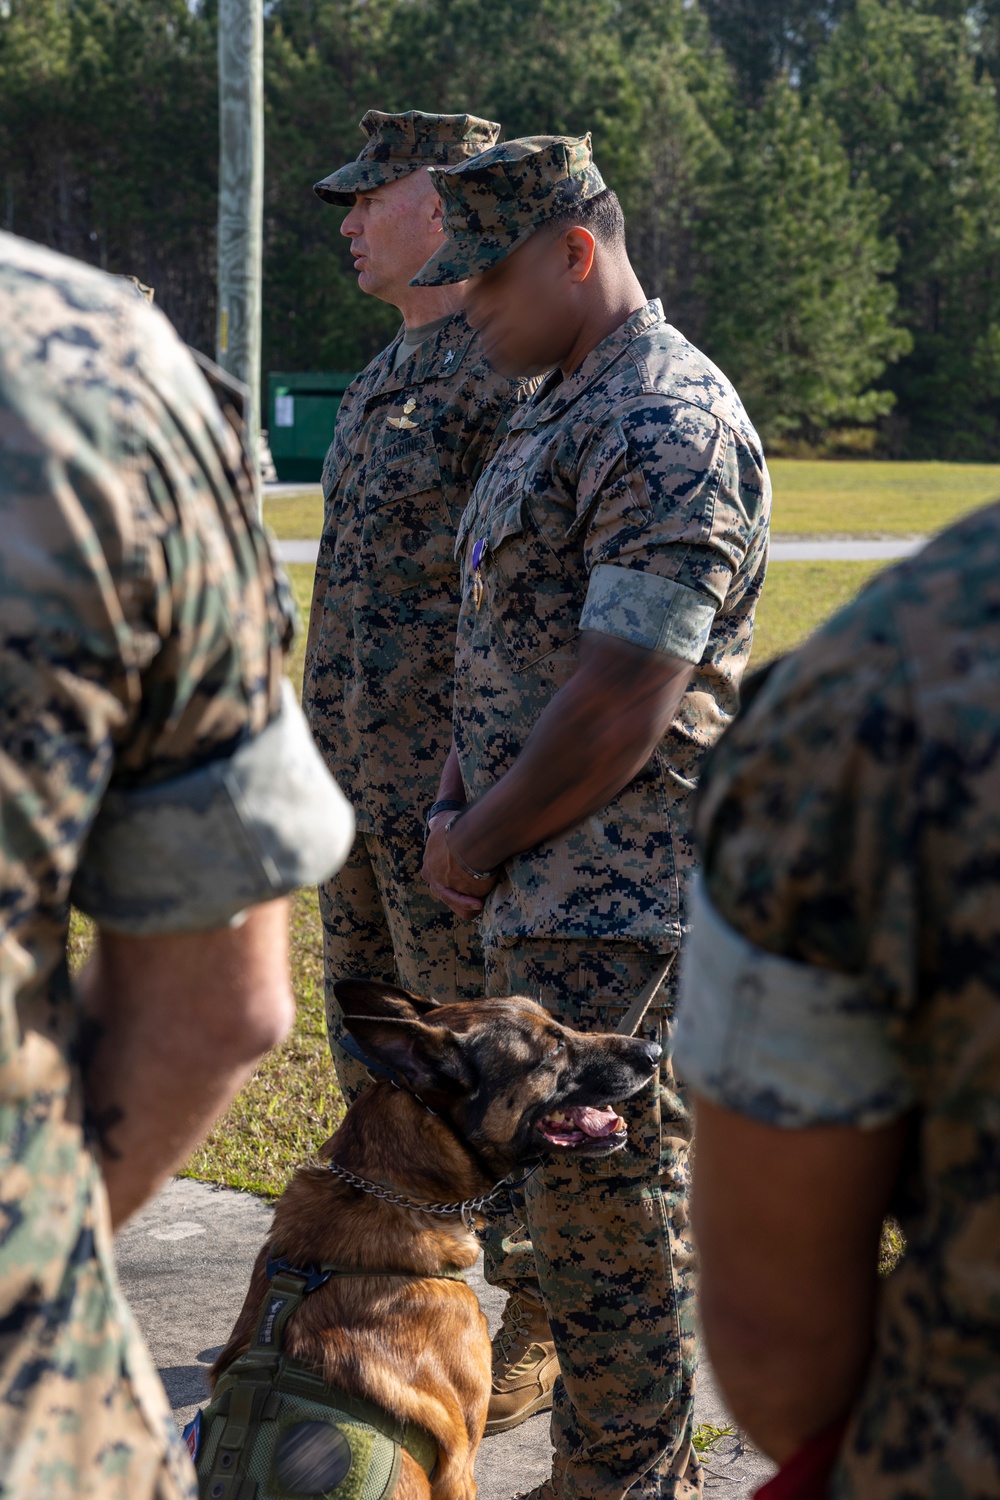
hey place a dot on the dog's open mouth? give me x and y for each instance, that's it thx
(580, 1123)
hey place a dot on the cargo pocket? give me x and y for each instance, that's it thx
(408, 529)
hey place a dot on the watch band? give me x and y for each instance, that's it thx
(473, 874)
(443, 804)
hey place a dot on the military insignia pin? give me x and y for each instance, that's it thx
(403, 423)
(447, 359)
(477, 577)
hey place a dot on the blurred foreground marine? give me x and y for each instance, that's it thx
(413, 433)
(612, 558)
(839, 1025)
(154, 770)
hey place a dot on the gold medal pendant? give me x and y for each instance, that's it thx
(477, 592)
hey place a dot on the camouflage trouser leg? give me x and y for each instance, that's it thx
(380, 921)
(83, 1415)
(612, 1247)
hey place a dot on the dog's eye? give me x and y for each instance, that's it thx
(560, 1046)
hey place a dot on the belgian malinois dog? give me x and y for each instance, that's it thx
(476, 1092)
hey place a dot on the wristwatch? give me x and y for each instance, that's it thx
(443, 804)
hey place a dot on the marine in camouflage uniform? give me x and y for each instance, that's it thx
(630, 497)
(843, 971)
(414, 431)
(142, 638)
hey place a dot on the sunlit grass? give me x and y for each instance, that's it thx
(811, 498)
(824, 498)
(292, 517)
(798, 596)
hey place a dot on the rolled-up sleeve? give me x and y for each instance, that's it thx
(648, 610)
(674, 502)
(787, 1043)
(194, 852)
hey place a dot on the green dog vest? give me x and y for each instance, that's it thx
(274, 1429)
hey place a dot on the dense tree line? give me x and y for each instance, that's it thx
(812, 186)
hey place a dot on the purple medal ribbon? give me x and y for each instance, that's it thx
(477, 554)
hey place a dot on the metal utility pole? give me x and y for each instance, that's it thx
(241, 195)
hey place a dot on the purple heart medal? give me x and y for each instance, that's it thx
(477, 577)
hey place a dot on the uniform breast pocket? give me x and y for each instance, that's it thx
(408, 528)
(529, 587)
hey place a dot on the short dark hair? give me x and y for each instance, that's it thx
(602, 215)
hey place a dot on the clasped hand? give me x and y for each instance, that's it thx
(449, 882)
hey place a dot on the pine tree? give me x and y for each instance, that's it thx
(798, 307)
(923, 128)
(764, 38)
(108, 141)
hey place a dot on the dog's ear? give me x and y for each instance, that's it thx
(429, 1058)
(373, 997)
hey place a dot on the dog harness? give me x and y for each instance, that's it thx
(275, 1430)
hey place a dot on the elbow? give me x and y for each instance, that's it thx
(256, 1015)
(260, 1023)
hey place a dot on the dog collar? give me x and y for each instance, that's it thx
(464, 1208)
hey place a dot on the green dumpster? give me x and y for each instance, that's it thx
(301, 411)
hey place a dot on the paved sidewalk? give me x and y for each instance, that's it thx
(185, 1264)
(813, 549)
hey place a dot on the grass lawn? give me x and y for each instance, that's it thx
(294, 517)
(876, 498)
(810, 498)
(798, 596)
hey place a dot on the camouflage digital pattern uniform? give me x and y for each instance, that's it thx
(844, 969)
(142, 634)
(632, 498)
(410, 443)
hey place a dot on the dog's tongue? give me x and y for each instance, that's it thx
(595, 1122)
(568, 1127)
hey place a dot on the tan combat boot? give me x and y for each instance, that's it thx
(524, 1364)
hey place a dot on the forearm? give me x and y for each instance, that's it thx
(784, 1386)
(450, 787)
(787, 1224)
(179, 1024)
(595, 734)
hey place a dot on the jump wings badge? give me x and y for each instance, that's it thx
(403, 423)
(477, 576)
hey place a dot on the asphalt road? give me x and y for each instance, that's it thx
(185, 1262)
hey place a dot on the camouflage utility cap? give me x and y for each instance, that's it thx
(400, 144)
(495, 202)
